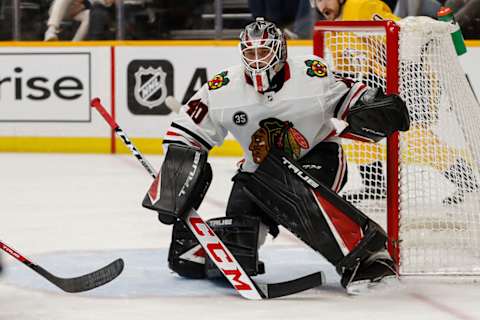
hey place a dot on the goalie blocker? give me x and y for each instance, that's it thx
(182, 183)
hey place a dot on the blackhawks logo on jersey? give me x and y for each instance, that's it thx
(279, 134)
(218, 81)
(316, 68)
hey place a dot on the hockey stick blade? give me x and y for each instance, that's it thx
(86, 282)
(78, 284)
(286, 288)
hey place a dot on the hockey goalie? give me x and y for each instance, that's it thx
(288, 114)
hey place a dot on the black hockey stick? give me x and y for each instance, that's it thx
(214, 247)
(78, 284)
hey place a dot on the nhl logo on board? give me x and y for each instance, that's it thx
(150, 88)
(150, 82)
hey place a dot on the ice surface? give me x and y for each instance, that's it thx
(75, 213)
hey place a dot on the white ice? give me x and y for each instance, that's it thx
(75, 213)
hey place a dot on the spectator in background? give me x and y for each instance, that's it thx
(407, 8)
(140, 20)
(33, 14)
(280, 12)
(304, 20)
(354, 10)
(77, 10)
(144, 19)
(372, 174)
(101, 20)
(181, 15)
(376, 188)
(467, 14)
(391, 4)
(455, 5)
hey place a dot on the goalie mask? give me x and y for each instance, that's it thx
(264, 51)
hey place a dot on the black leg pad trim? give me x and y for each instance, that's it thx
(373, 241)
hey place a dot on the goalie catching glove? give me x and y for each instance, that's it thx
(181, 183)
(376, 116)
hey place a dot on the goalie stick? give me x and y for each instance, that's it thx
(97, 105)
(78, 284)
(214, 247)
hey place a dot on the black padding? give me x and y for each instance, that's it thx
(291, 204)
(284, 191)
(376, 116)
(374, 240)
(241, 205)
(184, 180)
(184, 240)
(323, 162)
(166, 218)
(240, 235)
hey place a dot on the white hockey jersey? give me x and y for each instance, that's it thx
(294, 119)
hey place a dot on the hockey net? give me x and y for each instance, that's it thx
(422, 185)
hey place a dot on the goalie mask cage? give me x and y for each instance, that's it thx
(431, 205)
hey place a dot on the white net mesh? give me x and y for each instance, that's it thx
(439, 157)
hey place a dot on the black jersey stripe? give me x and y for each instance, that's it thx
(340, 104)
(167, 141)
(192, 134)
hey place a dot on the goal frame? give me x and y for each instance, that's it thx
(392, 31)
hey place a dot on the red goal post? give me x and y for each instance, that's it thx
(391, 30)
(415, 59)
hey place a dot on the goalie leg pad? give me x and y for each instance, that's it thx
(239, 204)
(241, 236)
(185, 256)
(181, 184)
(317, 215)
(327, 163)
(373, 241)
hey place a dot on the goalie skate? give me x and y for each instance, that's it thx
(376, 272)
(368, 287)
